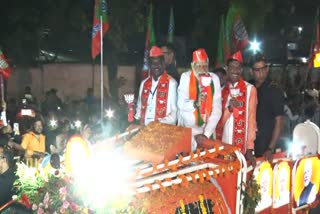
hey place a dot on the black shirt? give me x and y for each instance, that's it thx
(270, 105)
(6, 186)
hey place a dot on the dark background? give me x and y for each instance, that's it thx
(45, 31)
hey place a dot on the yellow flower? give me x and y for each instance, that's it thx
(85, 211)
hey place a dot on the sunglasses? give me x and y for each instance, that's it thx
(259, 69)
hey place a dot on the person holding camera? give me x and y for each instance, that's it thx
(33, 142)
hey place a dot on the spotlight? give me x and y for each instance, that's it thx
(77, 123)
(304, 60)
(255, 46)
(53, 123)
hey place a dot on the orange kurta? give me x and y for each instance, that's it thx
(31, 143)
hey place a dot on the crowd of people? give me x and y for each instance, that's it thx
(215, 105)
(38, 130)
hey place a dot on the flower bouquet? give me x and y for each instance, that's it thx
(54, 191)
(47, 191)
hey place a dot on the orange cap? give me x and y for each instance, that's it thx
(199, 55)
(155, 51)
(236, 56)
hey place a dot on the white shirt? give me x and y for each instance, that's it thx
(171, 112)
(186, 108)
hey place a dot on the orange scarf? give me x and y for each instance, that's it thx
(239, 114)
(201, 113)
(161, 99)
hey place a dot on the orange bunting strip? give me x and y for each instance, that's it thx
(162, 188)
(174, 167)
(204, 174)
(149, 186)
(193, 176)
(174, 186)
(207, 174)
(180, 160)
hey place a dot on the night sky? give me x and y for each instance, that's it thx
(196, 25)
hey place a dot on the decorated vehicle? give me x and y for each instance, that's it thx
(152, 170)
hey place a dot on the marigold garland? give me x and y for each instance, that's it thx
(203, 208)
(207, 155)
(183, 208)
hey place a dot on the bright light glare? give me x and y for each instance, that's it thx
(77, 123)
(53, 123)
(294, 149)
(255, 46)
(304, 60)
(104, 179)
(300, 29)
(109, 113)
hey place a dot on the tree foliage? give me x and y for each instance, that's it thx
(62, 27)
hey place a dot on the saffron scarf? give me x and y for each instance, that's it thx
(201, 113)
(239, 114)
(161, 98)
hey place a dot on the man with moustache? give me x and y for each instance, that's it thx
(158, 93)
(33, 142)
(269, 110)
(237, 125)
(199, 99)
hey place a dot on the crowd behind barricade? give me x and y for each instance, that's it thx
(298, 108)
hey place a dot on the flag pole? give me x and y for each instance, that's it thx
(3, 103)
(101, 66)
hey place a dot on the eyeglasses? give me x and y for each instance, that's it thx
(260, 69)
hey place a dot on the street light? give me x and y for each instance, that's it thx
(255, 46)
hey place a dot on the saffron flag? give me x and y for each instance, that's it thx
(221, 54)
(171, 26)
(236, 35)
(314, 60)
(150, 41)
(5, 68)
(100, 23)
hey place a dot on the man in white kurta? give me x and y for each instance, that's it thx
(237, 125)
(157, 99)
(191, 113)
